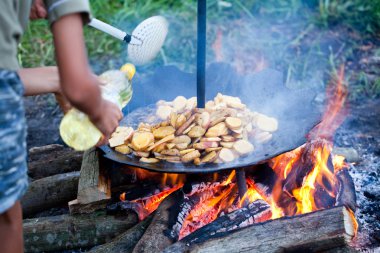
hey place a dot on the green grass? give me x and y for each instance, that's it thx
(306, 39)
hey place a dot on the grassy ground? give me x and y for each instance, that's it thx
(306, 39)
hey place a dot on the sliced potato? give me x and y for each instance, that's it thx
(197, 161)
(170, 145)
(160, 147)
(169, 158)
(179, 103)
(182, 146)
(180, 121)
(227, 144)
(149, 160)
(262, 137)
(196, 132)
(243, 147)
(213, 149)
(162, 132)
(182, 139)
(184, 126)
(191, 103)
(173, 119)
(190, 156)
(141, 140)
(210, 157)
(189, 128)
(217, 130)
(210, 106)
(164, 111)
(204, 120)
(226, 155)
(233, 123)
(124, 149)
(163, 140)
(141, 154)
(228, 138)
(211, 139)
(184, 152)
(266, 123)
(171, 152)
(206, 144)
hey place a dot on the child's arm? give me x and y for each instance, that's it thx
(78, 83)
(40, 80)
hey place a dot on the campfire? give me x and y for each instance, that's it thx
(306, 179)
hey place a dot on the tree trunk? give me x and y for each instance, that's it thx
(51, 160)
(64, 232)
(50, 192)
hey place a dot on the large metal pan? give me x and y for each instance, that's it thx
(263, 92)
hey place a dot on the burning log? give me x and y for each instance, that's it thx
(257, 211)
(154, 239)
(312, 232)
(125, 242)
(50, 192)
(64, 232)
(51, 160)
(346, 193)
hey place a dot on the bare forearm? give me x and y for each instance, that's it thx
(77, 82)
(40, 80)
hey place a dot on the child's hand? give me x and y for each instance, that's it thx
(38, 10)
(107, 119)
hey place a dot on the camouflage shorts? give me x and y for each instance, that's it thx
(13, 169)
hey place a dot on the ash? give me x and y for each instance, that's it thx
(361, 131)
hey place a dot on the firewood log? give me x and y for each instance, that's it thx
(65, 232)
(50, 192)
(154, 239)
(125, 242)
(312, 232)
(52, 160)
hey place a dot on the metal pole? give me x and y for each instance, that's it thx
(201, 53)
(242, 184)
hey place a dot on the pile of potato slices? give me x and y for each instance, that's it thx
(220, 133)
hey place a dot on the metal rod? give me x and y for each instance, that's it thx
(242, 184)
(201, 54)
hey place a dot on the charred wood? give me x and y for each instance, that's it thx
(346, 195)
(255, 212)
(52, 160)
(50, 192)
(313, 232)
(125, 242)
(154, 239)
(66, 232)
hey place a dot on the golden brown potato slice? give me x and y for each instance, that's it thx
(217, 130)
(196, 131)
(190, 156)
(149, 160)
(124, 149)
(141, 140)
(163, 140)
(162, 132)
(171, 152)
(206, 144)
(210, 157)
(182, 139)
